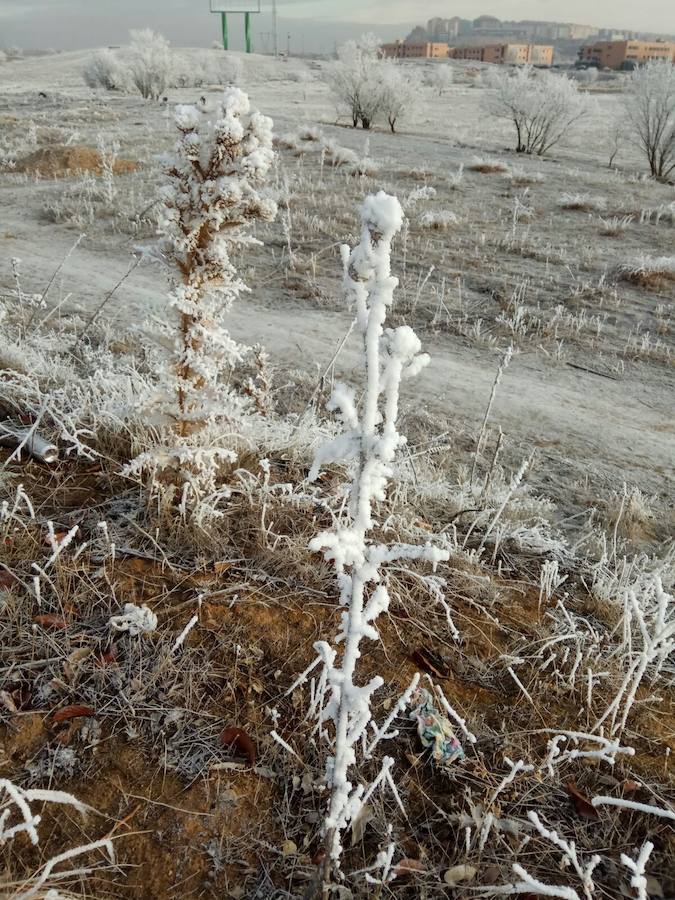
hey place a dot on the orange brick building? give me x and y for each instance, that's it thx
(507, 54)
(625, 54)
(403, 50)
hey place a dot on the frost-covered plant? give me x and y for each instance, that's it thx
(542, 107)
(441, 77)
(530, 885)
(369, 87)
(352, 78)
(400, 90)
(647, 270)
(614, 226)
(215, 192)
(650, 110)
(104, 70)
(438, 219)
(637, 868)
(150, 63)
(648, 626)
(17, 817)
(370, 438)
(582, 202)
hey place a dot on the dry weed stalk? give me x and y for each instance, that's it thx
(371, 439)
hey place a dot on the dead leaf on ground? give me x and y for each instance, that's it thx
(360, 822)
(50, 621)
(581, 803)
(8, 579)
(409, 867)
(431, 662)
(458, 874)
(238, 737)
(72, 712)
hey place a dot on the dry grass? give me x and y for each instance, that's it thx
(150, 757)
(61, 162)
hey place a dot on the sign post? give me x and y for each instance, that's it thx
(236, 6)
(223, 19)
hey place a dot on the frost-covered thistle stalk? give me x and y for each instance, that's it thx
(371, 439)
(208, 207)
(215, 192)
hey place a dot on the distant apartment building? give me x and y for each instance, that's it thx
(625, 54)
(507, 54)
(410, 50)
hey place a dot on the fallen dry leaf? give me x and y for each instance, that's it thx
(581, 803)
(360, 822)
(431, 662)
(630, 787)
(106, 657)
(457, 874)
(72, 712)
(241, 740)
(50, 620)
(409, 867)
(7, 579)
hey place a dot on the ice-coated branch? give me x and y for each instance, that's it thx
(370, 439)
(633, 804)
(516, 767)
(14, 799)
(569, 851)
(637, 867)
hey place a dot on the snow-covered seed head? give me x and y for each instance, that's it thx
(187, 118)
(382, 215)
(235, 102)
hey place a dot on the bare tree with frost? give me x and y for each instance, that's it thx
(370, 439)
(215, 193)
(354, 79)
(542, 107)
(650, 109)
(401, 89)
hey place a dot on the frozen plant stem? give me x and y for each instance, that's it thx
(370, 439)
(215, 192)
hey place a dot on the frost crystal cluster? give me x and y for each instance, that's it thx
(214, 195)
(370, 439)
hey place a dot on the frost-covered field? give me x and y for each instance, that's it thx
(548, 623)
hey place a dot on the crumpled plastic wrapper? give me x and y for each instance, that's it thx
(435, 730)
(135, 620)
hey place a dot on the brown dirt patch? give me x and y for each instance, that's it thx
(61, 162)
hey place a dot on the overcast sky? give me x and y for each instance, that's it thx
(314, 25)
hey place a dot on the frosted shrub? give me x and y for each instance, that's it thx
(224, 69)
(647, 271)
(150, 63)
(441, 77)
(105, 71)
(368, 87)
(216, 175)
(650, 109)
(369, 439)
(614, 226)
(400, 87)
(353, 80)
(582, 202)
(438, 220)
(542, 107)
